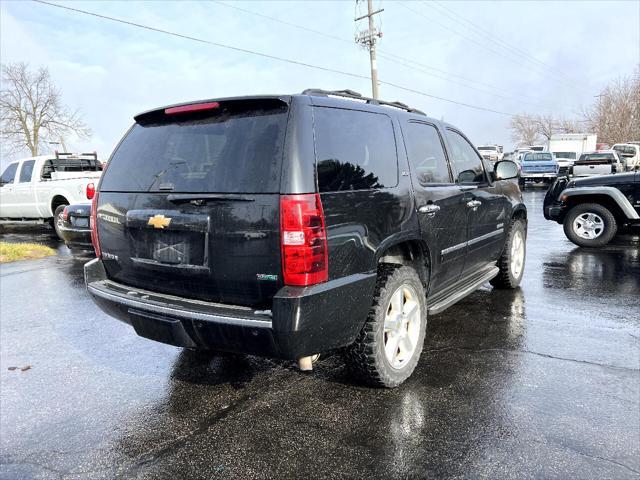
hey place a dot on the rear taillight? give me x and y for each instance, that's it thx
(303, 239)
(93, 223)
(65, 213)
(91, 191)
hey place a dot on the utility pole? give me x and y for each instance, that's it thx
(368, 39)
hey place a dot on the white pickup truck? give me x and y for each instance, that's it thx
(602, 162)
(38, 188)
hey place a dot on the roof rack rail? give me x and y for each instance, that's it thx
(358, 96)
(73, 155)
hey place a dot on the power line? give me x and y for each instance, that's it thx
(494, 38)
(506, 97)
(266, 55)
(201, 40)
(408, 63)
(284, 22)
(515, 59)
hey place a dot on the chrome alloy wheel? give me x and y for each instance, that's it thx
(588, 225)
(60, 219)
(402, 326)
(517, 254)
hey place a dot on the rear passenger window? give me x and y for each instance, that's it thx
(465, 159)
(26, 171)
(426, 154)
(354, 150)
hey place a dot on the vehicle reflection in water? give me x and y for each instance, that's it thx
(246, 412)
(611, 270)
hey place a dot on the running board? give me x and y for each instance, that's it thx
(457, 292)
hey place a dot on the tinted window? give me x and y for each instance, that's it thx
(465, 159)
(234, 149)
(26, 171)
(69, 165)
(355, 150)
(538, 157)
(625, 149)
(426, 155)
(9, 173)
(493, 149)
(596, 158)
(566, 155)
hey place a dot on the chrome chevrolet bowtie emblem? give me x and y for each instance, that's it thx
(159, 221)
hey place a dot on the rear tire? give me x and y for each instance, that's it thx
(511, 262)
(388, 348)
(590, 225)
(57, 220)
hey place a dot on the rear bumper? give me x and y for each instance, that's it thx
(538, 175)
(76, 237)
(302, 320)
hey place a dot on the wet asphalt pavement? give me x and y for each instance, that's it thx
(539, 382)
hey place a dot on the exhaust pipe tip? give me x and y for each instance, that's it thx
(305, 364)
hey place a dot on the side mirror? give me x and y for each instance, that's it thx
(505, 170)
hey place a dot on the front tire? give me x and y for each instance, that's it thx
(511, 262)
(388, 348)
(590, 225)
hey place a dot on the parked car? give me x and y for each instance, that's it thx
(74, 226)
(519, 153)
(491, 152)
(287, 226)
(629, 153)
(538, 167)
(593, 209)
(565, 161)
(570, 146)
(597, 163)
(38, 188)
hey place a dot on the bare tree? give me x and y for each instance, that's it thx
(529, 129)
(615, 115)
(567, 126)
(31, 110)
(546, 125)
(524, 130)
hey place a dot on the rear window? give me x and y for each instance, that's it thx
(236, 148)
(69, 165)
(596, 158)
(494, 149)
(538, 157)
(625, 149)
(355, 150)
(565, 155)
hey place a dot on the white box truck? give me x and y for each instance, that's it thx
(567, 148)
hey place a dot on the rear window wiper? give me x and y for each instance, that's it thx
(202, 198)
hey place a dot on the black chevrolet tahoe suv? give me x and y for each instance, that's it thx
(286, 226)
(593, 209)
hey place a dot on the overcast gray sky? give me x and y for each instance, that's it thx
(513, 57)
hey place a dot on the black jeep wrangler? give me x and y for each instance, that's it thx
(594, 209)
(287, 226)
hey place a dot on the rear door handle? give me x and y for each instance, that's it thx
(474, 204)
(429, 209)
